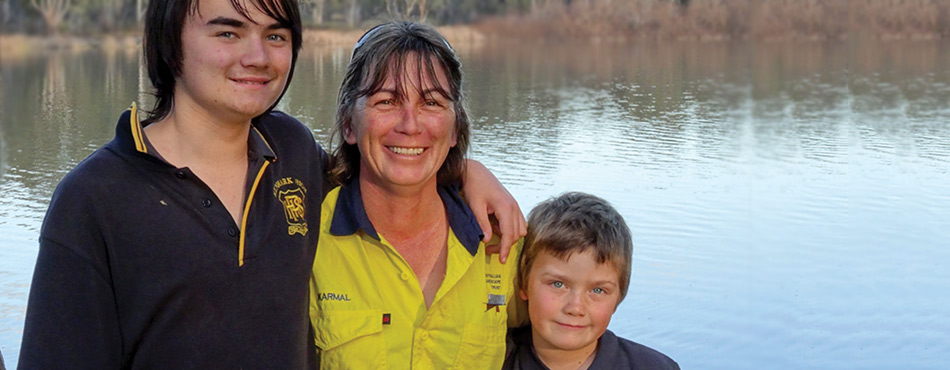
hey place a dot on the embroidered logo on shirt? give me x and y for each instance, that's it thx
(292, 193)
(494, 286)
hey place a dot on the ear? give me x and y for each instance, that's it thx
(455, 137)
(524, 295)
(348, 135)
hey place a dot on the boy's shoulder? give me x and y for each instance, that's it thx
(619, 353)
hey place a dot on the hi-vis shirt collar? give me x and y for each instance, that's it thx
(350, 215)
(132, 134)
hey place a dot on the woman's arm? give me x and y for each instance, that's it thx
(490, 201)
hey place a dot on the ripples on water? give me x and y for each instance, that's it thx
(789, 205)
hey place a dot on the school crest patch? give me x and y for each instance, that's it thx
(293, 195)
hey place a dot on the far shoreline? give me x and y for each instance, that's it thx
(18, 46)
(15, 47)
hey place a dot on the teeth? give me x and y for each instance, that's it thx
(248, 82)
(405, 151)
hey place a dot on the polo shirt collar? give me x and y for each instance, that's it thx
(349, 216)
(257, 145)
(608, 352)
(131, 136)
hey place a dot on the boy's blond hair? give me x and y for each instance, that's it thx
(575, 222)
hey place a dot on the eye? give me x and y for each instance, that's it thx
(385, 102)
(557, 284)
(276, 37)
(227, 35)
(598, 291)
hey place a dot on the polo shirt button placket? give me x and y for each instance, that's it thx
(232, 231)
(180, 174)
(404, 276)
(206, 203)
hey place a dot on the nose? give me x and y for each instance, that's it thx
(409, 122)
(255, 53)
(575, 303)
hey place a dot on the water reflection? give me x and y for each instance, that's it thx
(789, 202)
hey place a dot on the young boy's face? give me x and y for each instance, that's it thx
(570, 302)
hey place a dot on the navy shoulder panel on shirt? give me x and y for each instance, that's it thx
(287, 135)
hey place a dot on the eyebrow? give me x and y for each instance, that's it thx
(236, 23)
(606, 282)
(425, 92)
(550, 275)
(225, 21)
(440, 91)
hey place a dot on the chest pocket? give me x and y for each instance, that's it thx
(481, 344)
(350, 339)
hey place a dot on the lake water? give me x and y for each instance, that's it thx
(790, 203)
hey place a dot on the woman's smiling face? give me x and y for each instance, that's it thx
(404, 133)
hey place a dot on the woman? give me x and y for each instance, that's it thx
(401, 278)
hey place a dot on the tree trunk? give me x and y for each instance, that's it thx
(318, 6)
(353, 14)
(423, 11)
(109, 10)
(139, 11)
(5, 15)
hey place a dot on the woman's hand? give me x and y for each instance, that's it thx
(495, 209)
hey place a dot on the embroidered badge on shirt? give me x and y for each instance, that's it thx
(292, 194)
(494, 276)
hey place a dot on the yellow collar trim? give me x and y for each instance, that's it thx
(137, 135)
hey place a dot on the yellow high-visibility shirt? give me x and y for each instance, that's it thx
(367, 308)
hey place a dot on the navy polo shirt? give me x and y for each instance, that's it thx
(141, 266)
(613, 353)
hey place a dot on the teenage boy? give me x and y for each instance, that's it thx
(574, 271)
(187, 241)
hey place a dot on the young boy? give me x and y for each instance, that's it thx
(575, 269)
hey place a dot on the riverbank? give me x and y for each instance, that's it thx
(15, 47)
(557, 26)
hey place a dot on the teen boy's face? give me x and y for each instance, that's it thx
(570, 302)
(233, 68)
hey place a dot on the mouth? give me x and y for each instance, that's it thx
(405, 150)
(569, 326)
(253, 81)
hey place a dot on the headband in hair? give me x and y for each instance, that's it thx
(373, 30)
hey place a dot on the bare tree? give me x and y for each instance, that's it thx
(109, 11)
(392, 8)
(53, 12)
(421, 5)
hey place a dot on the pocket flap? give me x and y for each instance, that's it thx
(338, 327)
